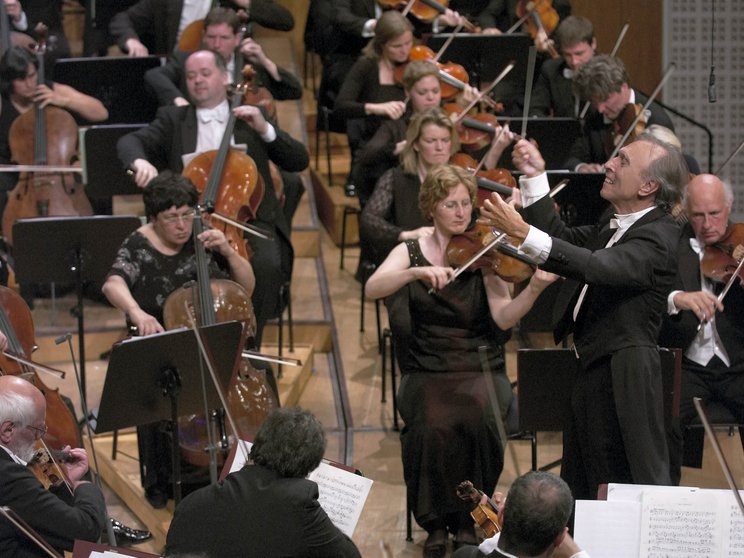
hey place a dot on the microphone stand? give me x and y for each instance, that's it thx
(89, 430)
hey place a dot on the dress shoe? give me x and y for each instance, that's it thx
(128, 535)
(436, 544)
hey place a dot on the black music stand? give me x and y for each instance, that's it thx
(485, 56)
(555, 136)
(159, 377)
(115, 81)
(104, 175)
(67, 250)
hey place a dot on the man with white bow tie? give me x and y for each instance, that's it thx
(613, 299)
(177, 133)
(713, 363)
(552, 94)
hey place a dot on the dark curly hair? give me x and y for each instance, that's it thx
(166, 190)
(14, 65)
(290, 441)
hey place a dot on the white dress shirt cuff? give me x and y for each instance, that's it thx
(537, 245)
(270, 134)
(671, 307)
(368, 30)
(22, 23)
(534, 188)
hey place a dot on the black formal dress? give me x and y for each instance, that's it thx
(255, 512)
(616, 432)
(58, 516)
(450, 431)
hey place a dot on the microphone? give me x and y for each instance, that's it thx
(62, 338)
(712, 86)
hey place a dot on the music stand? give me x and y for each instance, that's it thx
(555, 136)
(485, 56)
(69, 249)
(158, 377)
(103, 174)
(115, 81)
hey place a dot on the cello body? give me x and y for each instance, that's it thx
(44, 194)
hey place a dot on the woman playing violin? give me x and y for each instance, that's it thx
(450, 431)
(58, 515)
(152, 262)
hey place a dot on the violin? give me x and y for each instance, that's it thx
(485, 516)
(44, 137)
(541, 19)
(633, 115)
(48, 467)
(424, 10)
(497, 180)
(257, 95)
(504, 258)
(475, 130)
(453, 77)
(722, 259)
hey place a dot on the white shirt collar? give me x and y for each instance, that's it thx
(14, 457)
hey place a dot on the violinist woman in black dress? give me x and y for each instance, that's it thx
(450, 431)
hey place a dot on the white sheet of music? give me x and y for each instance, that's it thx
(341, 493)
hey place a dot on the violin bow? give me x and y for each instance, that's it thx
(27, 530)
(618, 42)
(528, 88)
(408, 7)
(667, 74)
(447, 43)
(252, 229)
(284, 360)
(48, 369)
(462, 114)
(725, 290)
(729, 159)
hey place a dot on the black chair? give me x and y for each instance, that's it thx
(693, 434)
(348, 210)
(388, 355)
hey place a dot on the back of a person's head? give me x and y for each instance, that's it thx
(290, 442)
(536, 511)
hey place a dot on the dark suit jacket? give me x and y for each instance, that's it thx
(348, 19)
(169, 81)
(255, 512)
(57, 516)
(173, 133)
(592, 146)
(552, 94)
(628, 282)
(155, 22)
(680, 330)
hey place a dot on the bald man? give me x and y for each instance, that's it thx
(59, 515)
(713, 363)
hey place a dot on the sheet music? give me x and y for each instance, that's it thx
(341, 493)
(610, 529)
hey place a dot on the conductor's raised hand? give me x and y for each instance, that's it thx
(501, 215)
(527, 158)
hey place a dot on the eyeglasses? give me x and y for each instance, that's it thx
(453, 205)
(174, 218)
(40, 430)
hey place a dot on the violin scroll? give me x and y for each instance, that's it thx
(485, 516)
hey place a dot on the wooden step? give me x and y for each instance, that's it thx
(331, 203)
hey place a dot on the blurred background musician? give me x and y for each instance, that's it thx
(152, 262)
(553, 94)
(713, 363)
(20, 90)
(181, 131)
(222, 28)
(154, 26)
(59, 515)
(604, 82)
(48, 12)
(446, 438)
(613, 300)
(369, 94)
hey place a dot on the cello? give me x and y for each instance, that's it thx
(250, 398)
(44, 137)
(17, 324)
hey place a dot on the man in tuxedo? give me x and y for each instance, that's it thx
(267, 508)
(619, 274)
(604, 82)
(178, 132)
(553, 94)
(154, 26)
(59, 515)
(713, 363)
(533, 521)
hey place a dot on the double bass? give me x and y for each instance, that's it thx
(44, 137)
